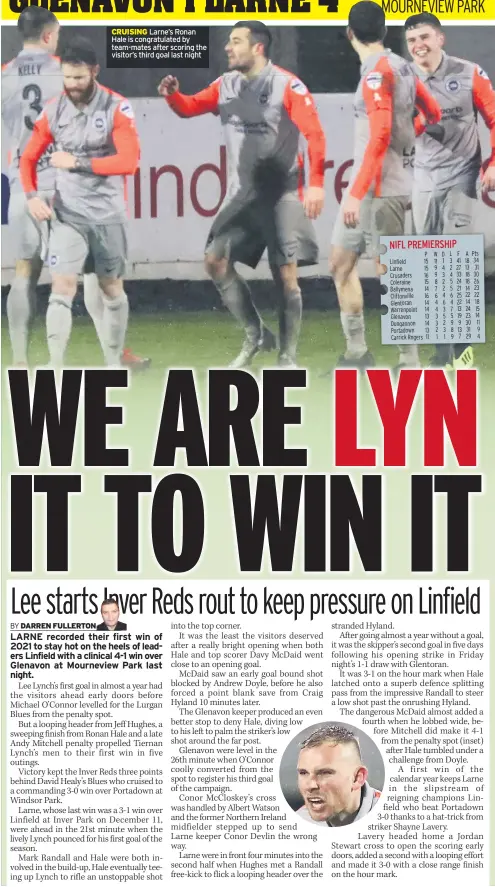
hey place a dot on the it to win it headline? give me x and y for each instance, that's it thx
(243, 423)
(337, 10)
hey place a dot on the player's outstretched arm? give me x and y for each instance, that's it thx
(37, 145)
(300, 107)
(378, 92)
(484, 102)
(429, 112)
(426, 103)
(203, 102)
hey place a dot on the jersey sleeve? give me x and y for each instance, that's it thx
(484, 102)
(203, 102)
(378, 95)
(126, 142)
(429, 110)
(301, 110)
(37, 145)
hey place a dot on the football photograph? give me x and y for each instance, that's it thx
(231, 215)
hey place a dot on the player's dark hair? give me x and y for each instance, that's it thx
(33, 20)
(79, 51)
(259, 33)
(367, 22)
(422, 18)
(333, 734)
(107, 601)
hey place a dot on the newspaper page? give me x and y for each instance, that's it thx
(248, 257)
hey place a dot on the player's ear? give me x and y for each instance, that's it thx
(442, 38)
(349, 34)
(360, 777)
(96, 70)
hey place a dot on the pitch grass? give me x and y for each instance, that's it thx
(212, 339)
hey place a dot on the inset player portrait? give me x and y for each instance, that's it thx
(332, 774)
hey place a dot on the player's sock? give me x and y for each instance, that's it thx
(408, 356)
(442, 354)
(459, 349)
(463, 357)
(236, 296)
(93, 301)
(290, 323)
(353, 326)
(115, 317)
(58, 327)
(19, 306)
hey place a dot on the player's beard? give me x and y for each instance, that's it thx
(81, 96)
(242, 67)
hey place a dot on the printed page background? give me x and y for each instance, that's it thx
(93, 513)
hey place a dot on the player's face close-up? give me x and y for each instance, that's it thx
(110, 614)
(425, 46)
(79, 82)
(328, 775)
(240, 51)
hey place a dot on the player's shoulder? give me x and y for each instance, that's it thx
(52, 106)
(385, 64)
(471, 68)
(116, 101)
(110, 95)
(11, 68)
(51, 64)
(291, 80)
(482, 73)
(462, 72)
(400, 65)
(45, 59)
(455, 65)
(54, 63)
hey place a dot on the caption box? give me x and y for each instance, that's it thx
(158, 47)
(433, 289)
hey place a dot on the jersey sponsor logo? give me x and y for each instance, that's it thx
(263, 98)
(451, 113)
(298, 87)
(483, 74)
(53, 260)
(374, 80)
(255, 127)
(126, 110)
(452, 85)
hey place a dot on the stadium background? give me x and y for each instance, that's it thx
(307, 51)
(324, 60)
